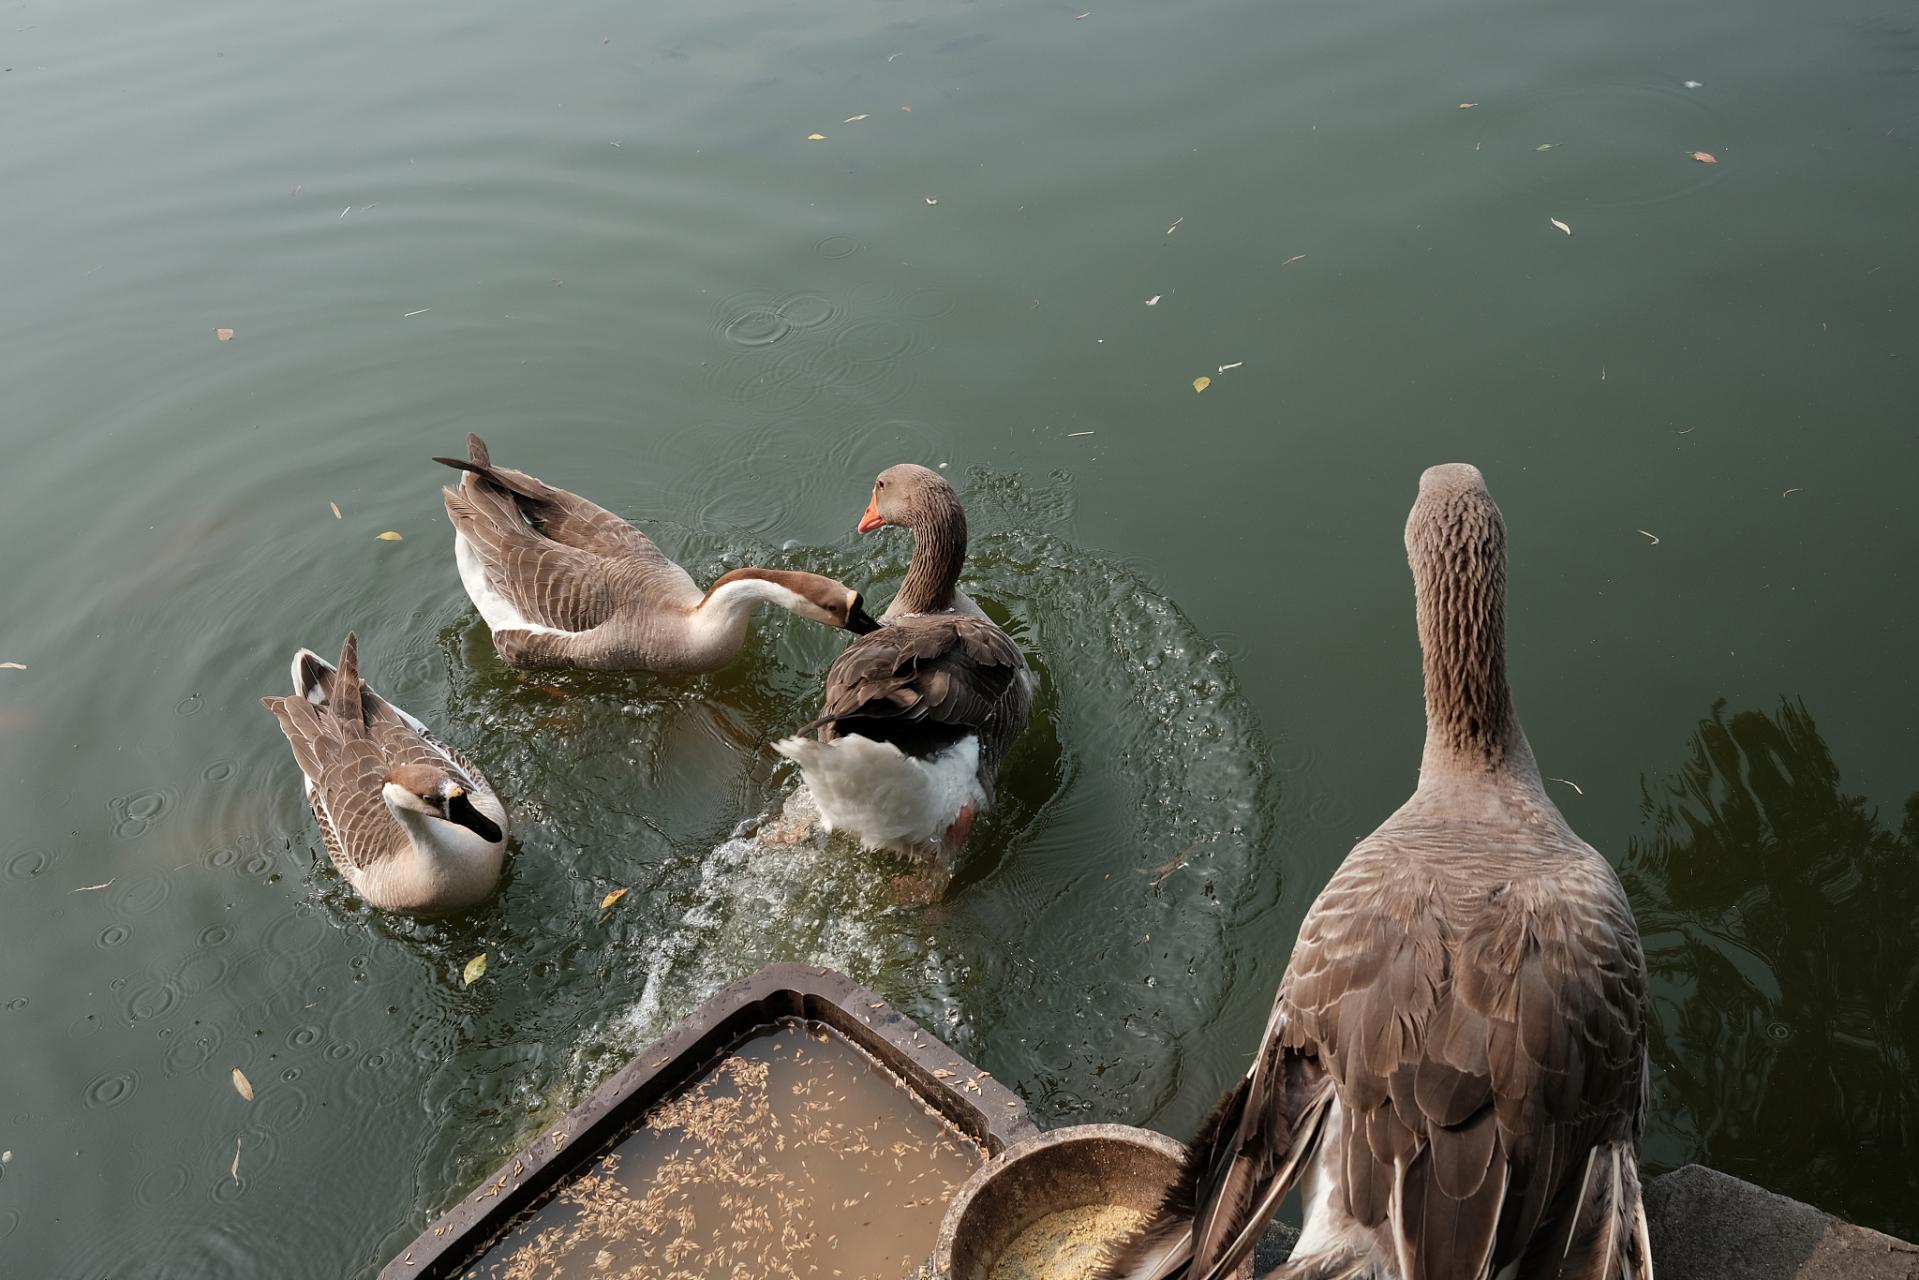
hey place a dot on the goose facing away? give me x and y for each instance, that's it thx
(919, 714)
(562, 582)
(408, 821)
(1454, 1071)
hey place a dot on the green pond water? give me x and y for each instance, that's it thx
(598, 235)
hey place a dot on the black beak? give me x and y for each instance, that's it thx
(860, 622)
(459, 809)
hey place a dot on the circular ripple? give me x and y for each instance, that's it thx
(161, 1185)
(215, 935)
(9, 1219)
(927, 304)
(862, 452)
(154, 1000)
(341, 1050)
(838, 247)
(28, 864)
(303, 1037)
(874, 340)
(114, 935)
(193, 1050)
(201, 973)
(285, 1106)
(111, 1090)
(189, 705)
(142, 895)
(1612, 146)
(223, 858)
(218, 771)
(757, 328)
(807, 310)
(295, 933)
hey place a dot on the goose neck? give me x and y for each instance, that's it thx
(939, 553)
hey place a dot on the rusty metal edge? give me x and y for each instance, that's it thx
(979, 1106)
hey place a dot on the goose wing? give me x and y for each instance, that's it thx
(926, 672)
(344, 764)
(1483, 1020)
(561, 561)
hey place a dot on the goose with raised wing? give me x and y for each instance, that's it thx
(918, 715)
(410, 823)
(1454, 1071)
(563, 582)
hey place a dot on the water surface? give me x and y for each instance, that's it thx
(600, 237)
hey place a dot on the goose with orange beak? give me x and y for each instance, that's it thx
(918, 715)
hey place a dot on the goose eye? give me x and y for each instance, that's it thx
(880, 485)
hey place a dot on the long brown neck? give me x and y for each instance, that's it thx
(939, 553)
(1458, 555)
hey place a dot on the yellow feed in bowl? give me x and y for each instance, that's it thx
(1067, 1245)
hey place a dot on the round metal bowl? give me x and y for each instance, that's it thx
(1061, 1169)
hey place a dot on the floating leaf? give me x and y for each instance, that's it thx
(336, 510)
(1562, 226)
(1467, 106)
(932, 199)
(390, 536)
(474, 971)
(1649, 534)
(13, 666)
(1705, 157)
(1545, 146)
(612, 898)
(1694, 84)
(1176, 221)
(243, 1085)
(1298, 257)
(1237, 364)
(1201, 383)
(854, 119)
(1153, 301)
(816, 137)
(224, 335)
(235, 1170)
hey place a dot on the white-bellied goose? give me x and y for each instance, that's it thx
(919, 714)
(564, 583)
(1455, 1066)
(408, 821)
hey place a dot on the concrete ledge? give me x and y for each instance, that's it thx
(1708, 1225)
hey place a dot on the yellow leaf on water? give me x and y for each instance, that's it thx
(336, 510)
(390, 536)
(612, 898)
(1562, 226)
(474, 971)
(242, 1084)
(1705, 157)
(224, 335)
(816, 137)
(1201, 383)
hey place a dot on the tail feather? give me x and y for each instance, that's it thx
(479, 462)
(1247, 1156)
(346, 697)
(312, 677)
(1331, 1265)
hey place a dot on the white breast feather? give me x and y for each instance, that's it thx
(883, 795)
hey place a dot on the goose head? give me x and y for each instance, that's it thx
(908, 495)
(430, 795)
(810, 595)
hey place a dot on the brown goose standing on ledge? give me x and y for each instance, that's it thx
(1455, 1066)
(919, 714)
(562, 582)
(406, 819)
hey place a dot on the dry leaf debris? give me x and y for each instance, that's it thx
(1201, 383)
(1705, 157)
(242, 1085)
(1562, 226)
(390, 536)
(224, 335)
(474, 971)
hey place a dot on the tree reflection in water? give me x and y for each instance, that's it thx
(1780, 922)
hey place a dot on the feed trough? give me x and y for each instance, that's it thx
(793, 1124)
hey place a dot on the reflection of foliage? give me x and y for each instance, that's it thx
(1779, 921)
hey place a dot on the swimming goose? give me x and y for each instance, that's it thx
(564, 583)
(1454, 1070)
(407, 820)
(918, 715)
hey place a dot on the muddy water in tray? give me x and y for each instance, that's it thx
(795, 1155)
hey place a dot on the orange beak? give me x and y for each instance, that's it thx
(870, 519)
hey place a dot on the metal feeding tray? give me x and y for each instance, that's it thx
(702, 1104)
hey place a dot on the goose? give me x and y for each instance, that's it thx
(408, 821)
(919, 714)
(562, 582)
(1454, 1071)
